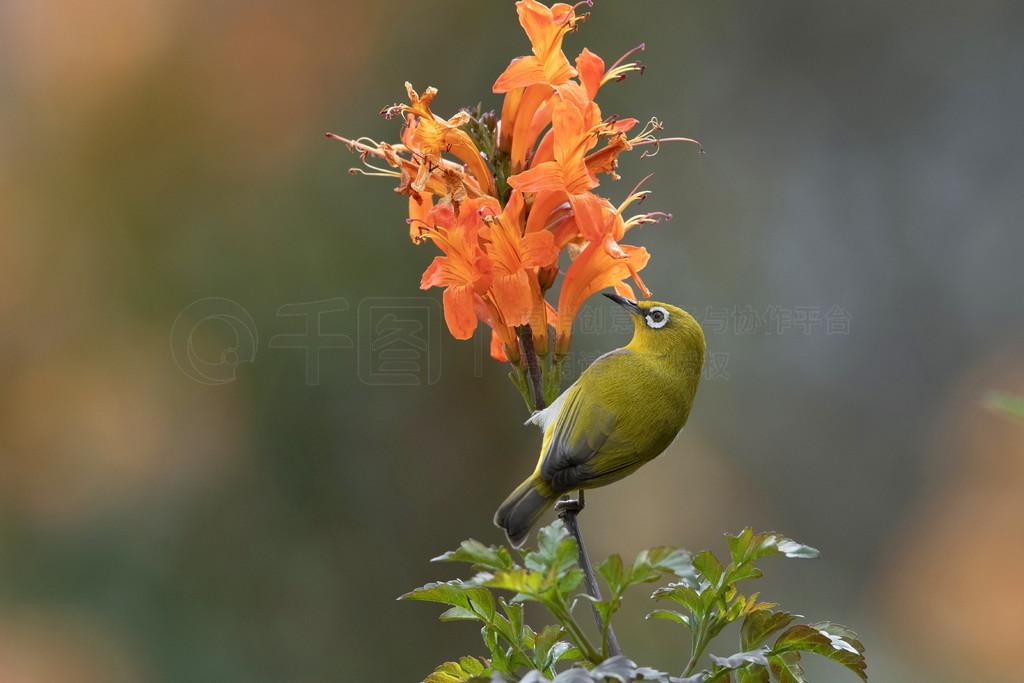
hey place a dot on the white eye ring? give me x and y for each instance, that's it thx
(656, 318)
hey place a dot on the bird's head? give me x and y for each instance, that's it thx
(663, 329)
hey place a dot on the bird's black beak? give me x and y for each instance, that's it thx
(628, 304)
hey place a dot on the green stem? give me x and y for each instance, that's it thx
(700, 642)
(576, 635)
(533, 370)
(567, 511)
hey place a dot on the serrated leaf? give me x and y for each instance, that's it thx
(457, 613)
(574, 675)
(481, 601)
(514, 612)
(775, 544)
(684, 595)
(760, 625)
(570, 581)
(534, 677)
(646, 673)
(791, 548)
(450, 592)
(569, 652)
(820, 641)
(696, 678)
(499, 660)
(518, 580)
(545, 654)
(742, 658)
(709, 567)
(472, 666)
(612, 571)
(742, 572)
(670, 615)
(555, 550)
(841, 631)
(679, 562)
(466, 669)
(785, 668)
(493, 558)
(739, 545)
(618, 668)
(605, 608)
(753, 673)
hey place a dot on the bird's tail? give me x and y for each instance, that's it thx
(520, 511)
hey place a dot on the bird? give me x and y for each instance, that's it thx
(623, 411)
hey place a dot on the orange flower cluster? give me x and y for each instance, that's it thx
(502, 198)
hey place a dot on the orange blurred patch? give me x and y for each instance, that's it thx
(951, 590)
(268, 77)
(79, 437)
(76, 54)
(46, 646)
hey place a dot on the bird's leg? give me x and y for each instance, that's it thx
(567, 509)
(573, 505)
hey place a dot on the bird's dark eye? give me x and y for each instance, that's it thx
(657, 317)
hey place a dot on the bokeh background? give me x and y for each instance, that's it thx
(217, 504)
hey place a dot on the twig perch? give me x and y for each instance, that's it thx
(568, 509)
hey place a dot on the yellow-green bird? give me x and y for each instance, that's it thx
(624, 410)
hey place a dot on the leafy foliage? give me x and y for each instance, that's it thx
(706, 601)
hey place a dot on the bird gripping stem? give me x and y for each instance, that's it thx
(567, 511)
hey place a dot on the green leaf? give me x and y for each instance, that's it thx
(742, 658)
(682, 594)
(752, 673)
(791, 548)
(709, 567)
(492, 558)
(841, 631)
(605, 608)
(544, 643)
(745, 547)
(481, 601)
(517, 627)
(785, 668)
(760, 625)
(472, 666)
(451, 592)
(678, 562)
(570, 581)
(744, 571)
(466, 669)
(670, 615)
(739, 545)
(456, 613)
(499, 660)
(828, 640)
(613, 573)
(617, 668)
(518, 580)
(556, 550)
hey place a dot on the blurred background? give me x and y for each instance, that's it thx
(217, 463)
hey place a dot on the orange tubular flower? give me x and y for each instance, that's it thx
(592, 271)
(502, 196)
(464, 270)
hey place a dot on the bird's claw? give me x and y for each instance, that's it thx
(567, 505)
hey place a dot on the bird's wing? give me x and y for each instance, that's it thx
(583, 429)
